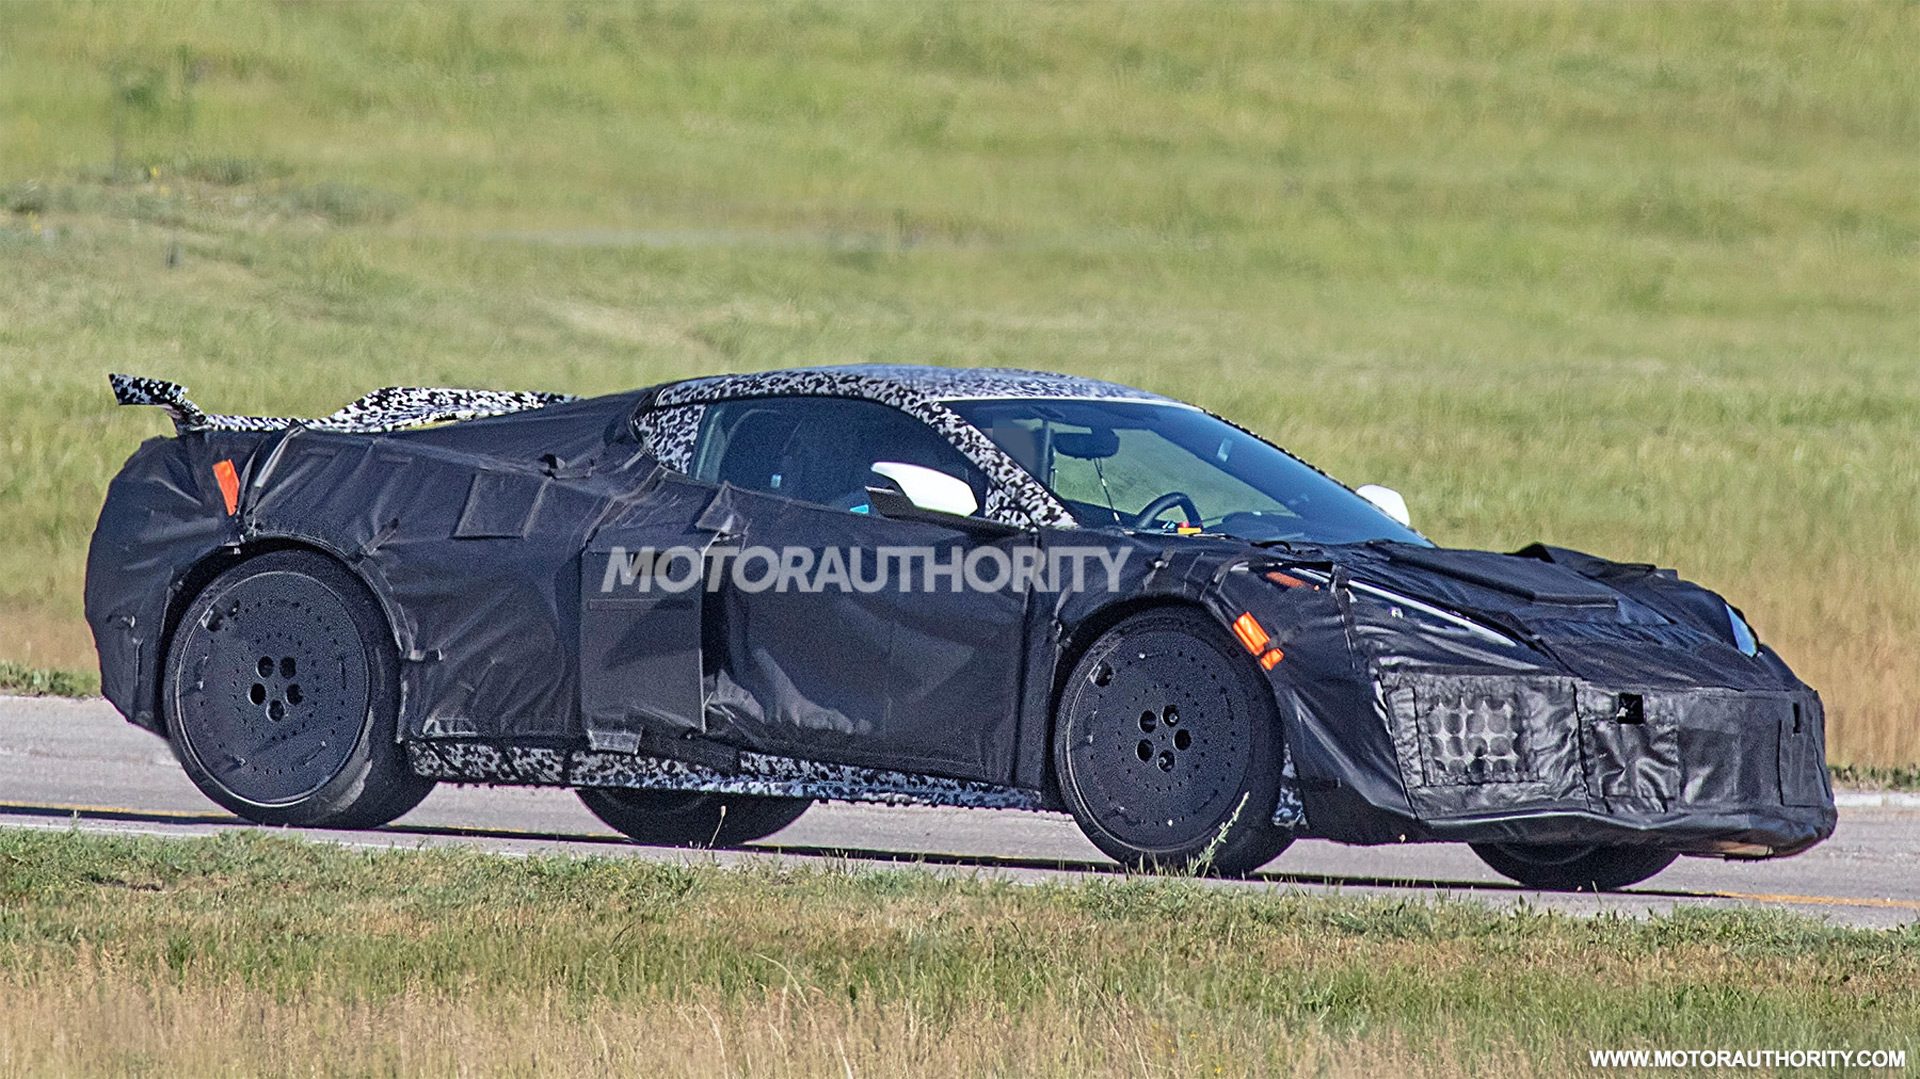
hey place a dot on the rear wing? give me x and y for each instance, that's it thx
(395, 408)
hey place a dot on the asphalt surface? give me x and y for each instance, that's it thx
(77, 764)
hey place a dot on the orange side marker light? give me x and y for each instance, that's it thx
(1250, 633)
(229, 481)
(1255, 639)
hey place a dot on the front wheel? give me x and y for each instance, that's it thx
(691, 818)
(1167, 748)
(281, 695)
(1572, 867)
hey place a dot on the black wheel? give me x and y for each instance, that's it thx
(691, 818)
(1573, 867)
(281, 693)
(1167, 749)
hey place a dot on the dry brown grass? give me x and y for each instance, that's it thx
(106, 1023)
(256, 955)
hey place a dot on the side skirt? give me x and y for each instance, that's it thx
(759, 773)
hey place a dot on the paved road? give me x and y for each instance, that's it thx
(76, 764)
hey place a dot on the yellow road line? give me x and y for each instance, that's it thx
(1816, 900)
(214, 815)
(171, 814)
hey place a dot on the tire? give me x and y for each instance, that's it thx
(281, 695)
(1572, 867)
(691, 818)
(1167, 748)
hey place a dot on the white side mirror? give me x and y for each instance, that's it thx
(1387, 501)
(930, 489)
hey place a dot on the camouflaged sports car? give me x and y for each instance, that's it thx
(710, 603)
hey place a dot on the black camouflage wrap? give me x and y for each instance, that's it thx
(1554, 697)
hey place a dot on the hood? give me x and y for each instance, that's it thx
(1589, 616)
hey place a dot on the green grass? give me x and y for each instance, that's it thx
(1904, 778)
(38, 682)
(242, 953)
(1639, 279)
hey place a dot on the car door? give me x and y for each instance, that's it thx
(826, 631)
(641, 664)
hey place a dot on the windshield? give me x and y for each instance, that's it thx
(1161, 466)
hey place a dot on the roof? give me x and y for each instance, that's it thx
(403, 407)
(899, 383)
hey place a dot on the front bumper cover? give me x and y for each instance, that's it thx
(1544, 758)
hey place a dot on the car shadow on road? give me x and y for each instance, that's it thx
(1110, 869)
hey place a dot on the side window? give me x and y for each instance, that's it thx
(818, 449)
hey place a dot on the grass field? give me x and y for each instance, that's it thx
(255, 955)
(1641, 279)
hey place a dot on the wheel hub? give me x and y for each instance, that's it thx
(1164, 741)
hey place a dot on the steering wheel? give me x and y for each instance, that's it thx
(1164, 503)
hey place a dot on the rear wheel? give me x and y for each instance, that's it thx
(281, 694)
(691, 818)
(1167, 748)
(1572, 867)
